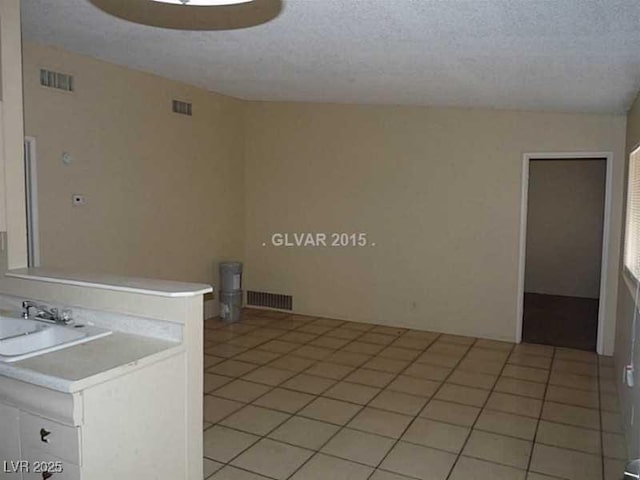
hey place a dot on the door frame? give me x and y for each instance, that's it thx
(606, 227)
(31, 197)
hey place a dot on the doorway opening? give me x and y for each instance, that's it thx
(563, 250)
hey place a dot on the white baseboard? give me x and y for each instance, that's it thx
(211, 309)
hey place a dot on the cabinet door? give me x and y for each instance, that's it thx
(9, 444)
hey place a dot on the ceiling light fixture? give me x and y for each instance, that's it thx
(203, 3)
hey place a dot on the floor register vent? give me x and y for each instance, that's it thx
(57, 80)
(183, 108)
(269, 300)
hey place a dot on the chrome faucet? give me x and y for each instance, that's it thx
(46, 313)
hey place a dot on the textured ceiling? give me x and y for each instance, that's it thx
(562, 55)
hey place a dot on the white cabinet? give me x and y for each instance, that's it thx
(9, 443)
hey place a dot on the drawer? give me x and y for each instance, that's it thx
(52, 438)
(36, 458)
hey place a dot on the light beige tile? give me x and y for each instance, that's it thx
(571, 415)
(399, 353)
(427, 372)
(390, 365)
(485, 355)
(268, 375)
(494, 345)
(278, 346)
(456, 339)
(232, 368)
(352, 392)
(317, 329)
(419, 462)
(411, 343)
(256, 420)
(526, 373)
(610, 402)
(225, 350)
(329, 410)
(471, 468)
(349, 359)
(314, 353)
(329, 370)
(362, 347)
(388, 330)
(213, 381)
(539, 476)
(534, 349)
(211, 360)
(246, 341)
(523, 388)
(373, 378)
(414, 386)
(451, 413)
(323, 467)
(576, 355)
(384, 475)
(571, 396)
(308, 384)
(345, 333)
(304, 432)
(579, 368)
(507, 424)
(438, 359)
(431, 433)
(388, 424)
(297, 337)
(471, 365)
(329, 342)
(473, 379)
(233, 473)
(273, 459)
(614, 445)
(498, 448)
(563, 463)
(448, 349)
(611, 422)
(571, 380)
(360, 447)
(398, 402)
(377, 338)
(241, 391)
(459, 394)
(567, 436)
(293, 363)
(215, 409)
(284, 400)
(505, 402)
(526, 360)
(259, 357)
(613, 469)
(209, 467)
(222, 444)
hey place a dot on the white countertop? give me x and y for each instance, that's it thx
(145, 286)
(76, 368)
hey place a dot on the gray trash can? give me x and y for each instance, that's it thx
(230, 291)
(230, 277)
(230, 306)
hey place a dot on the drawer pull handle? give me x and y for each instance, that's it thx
(46, 475)
(43, 437)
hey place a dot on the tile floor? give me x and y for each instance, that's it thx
(302, 398)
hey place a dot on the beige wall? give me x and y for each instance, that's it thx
(437, 190)
(564, 227)
(12, 204)
(627, 307)
(164, 192)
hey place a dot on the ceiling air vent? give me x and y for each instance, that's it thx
(269, 300)
(183, 108)
(57, 80)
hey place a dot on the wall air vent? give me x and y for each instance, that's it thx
(183, 108)
(57, 80)
(269, 300)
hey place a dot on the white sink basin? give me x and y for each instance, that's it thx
(22, 338)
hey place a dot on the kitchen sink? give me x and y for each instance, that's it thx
(22, 338)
